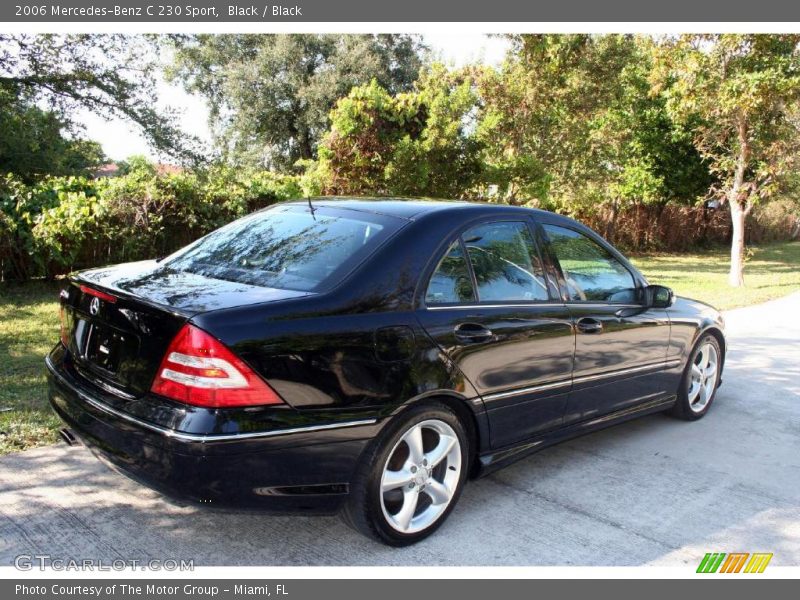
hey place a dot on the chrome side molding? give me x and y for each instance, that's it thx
(585, 379)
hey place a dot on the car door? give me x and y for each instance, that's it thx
(490, 307)
(620, 345)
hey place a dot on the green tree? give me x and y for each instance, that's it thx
(539, 111)
(740, 93)
(568, 122)
(270, 95)
(36, 142)
(636, 154)
(417, 143)
(110, 75)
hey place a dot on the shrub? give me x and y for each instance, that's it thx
(417, 143)
(65, 223)
(61, 231)
(778, 219)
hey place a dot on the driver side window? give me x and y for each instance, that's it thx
(591, 272)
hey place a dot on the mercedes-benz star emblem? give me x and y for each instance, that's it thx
(94, 305)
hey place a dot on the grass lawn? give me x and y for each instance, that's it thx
(29, 325)
(770, 272)
(28, 330)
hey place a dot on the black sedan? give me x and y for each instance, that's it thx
(367, 357)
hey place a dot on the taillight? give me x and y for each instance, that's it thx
(198, 369)
(62, 315)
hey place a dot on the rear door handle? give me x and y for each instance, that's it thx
(589, 325)
(472, 332)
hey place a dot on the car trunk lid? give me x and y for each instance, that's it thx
(119, 321)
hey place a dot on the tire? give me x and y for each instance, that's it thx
(421, 487)
(700, 380)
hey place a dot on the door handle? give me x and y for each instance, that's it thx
(589, 325)
(472, 332)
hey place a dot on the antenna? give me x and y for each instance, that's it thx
(311, 208)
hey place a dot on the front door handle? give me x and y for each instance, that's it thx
(589, 325)
(472, 333)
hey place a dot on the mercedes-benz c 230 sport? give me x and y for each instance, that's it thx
(367, 357)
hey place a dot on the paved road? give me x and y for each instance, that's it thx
(653, 491)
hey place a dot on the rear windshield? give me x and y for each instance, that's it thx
(288, 247)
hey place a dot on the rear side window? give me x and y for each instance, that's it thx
(451, 282)
(505, 262)
(591, 272)
(286, 247)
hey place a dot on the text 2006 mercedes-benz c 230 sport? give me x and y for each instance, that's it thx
(367, 356)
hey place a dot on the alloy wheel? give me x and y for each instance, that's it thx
(703, 377)
(420, 476)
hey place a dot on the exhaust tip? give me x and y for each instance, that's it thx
(68, 436)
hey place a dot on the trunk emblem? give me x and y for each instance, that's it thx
(94, 305)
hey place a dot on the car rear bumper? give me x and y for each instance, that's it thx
(301, 469)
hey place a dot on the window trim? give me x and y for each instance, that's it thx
(473, 279)
(541, 243)
(526, 221)
(637, 284)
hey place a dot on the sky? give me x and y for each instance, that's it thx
(120, 139)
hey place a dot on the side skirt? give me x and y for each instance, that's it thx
(497, 459)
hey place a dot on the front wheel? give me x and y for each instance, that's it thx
(411, 478)
(698, 386)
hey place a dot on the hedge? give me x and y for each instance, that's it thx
(65, 223)
(681, 228)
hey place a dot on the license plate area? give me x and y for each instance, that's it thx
(105, 347)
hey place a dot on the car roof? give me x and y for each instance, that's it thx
(413, 208)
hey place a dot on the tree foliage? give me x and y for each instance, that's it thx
(109, 75)
(36, 142)
(569, 123)
(270, 95)
(416, 143)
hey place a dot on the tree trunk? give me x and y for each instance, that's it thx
(738, 212)
(736, 275)
(611, 228)
(304, 142)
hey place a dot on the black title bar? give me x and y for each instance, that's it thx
(343, 11)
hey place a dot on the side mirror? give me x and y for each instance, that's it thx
(659, 296)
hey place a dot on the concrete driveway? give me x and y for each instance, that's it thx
(653, 491)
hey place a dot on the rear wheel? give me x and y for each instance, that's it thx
(411, 478)
(700, 380)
